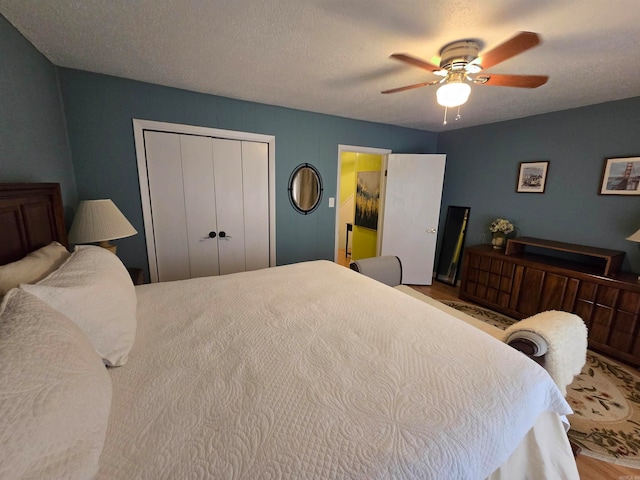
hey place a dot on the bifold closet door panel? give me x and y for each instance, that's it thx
(255, 174)
(200, 204)
(227, 172)
(199, 185)
(166, 191)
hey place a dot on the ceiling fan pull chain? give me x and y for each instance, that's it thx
(458, 116)
(445, 116)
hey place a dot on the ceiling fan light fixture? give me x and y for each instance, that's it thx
(473, 68)
(453, 93)
(460, 65)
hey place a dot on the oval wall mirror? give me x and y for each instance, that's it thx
(305, 188)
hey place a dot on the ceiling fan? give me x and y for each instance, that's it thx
(461, 64)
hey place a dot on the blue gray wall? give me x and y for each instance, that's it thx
(33, 139)
(483, 163)
(99, 111)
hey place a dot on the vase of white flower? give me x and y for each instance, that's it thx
(500, 228)
(498, 240)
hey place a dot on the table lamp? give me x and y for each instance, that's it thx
(635, 238)
(99, 221)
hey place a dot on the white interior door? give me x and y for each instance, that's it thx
(199, 204)
(411, 213)
(181, 203)
(167, 197)
(255, 191)
(210, 204)
(227, 167)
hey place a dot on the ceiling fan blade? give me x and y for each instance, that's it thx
(410, 87)
(512, 47)
(416, 62)
(521, 81)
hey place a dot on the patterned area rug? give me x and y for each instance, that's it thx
(605, 398)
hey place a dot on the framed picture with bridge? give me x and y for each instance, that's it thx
(621, 176)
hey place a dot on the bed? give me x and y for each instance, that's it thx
(300, 371)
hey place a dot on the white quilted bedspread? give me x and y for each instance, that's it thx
(313, 371)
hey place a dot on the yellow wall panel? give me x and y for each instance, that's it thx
(347, 176)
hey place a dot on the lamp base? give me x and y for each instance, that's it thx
(106, 245)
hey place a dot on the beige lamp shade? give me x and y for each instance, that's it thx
(635, 237)
(99, 221)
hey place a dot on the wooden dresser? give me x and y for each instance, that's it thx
(528, 277)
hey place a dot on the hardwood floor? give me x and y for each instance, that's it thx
(343, 259)
(589, 468)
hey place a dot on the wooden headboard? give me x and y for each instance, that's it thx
(31, 216)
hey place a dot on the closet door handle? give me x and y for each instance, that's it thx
(224, 235)
(213, 234)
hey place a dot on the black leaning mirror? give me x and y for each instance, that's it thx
(455, 229)
(305, 188)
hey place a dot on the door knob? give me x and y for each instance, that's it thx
(209, 235)
(431, 230)
(224, 235)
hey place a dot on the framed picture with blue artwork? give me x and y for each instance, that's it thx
(621, 176)
(532, 177)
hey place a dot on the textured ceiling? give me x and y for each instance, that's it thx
(331, 56)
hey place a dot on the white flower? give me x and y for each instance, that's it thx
(501, 225)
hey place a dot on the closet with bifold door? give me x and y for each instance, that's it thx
(209, 202)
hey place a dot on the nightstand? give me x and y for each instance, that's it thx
(137, 275)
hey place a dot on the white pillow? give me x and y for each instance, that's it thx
(32, 268)
(94, 289)
(56, 394)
